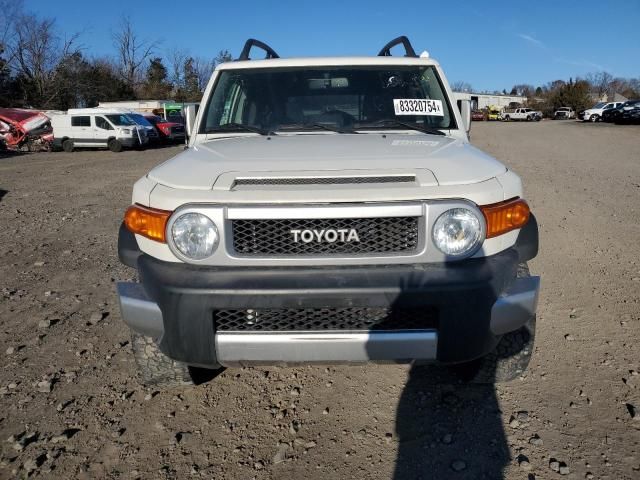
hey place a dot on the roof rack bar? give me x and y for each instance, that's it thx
(252, 42)
(409, 51)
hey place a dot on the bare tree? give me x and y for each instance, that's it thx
(176, 58)
(523, 90)
(37, 50)
(132, 52)
(461, 86)
(203, 69)
(600, 82)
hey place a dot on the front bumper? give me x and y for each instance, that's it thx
(476, 300)
(131, 142)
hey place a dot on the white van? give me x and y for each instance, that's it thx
(96, 128)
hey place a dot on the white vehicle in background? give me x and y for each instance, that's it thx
(564, 113)
(594, 114)
(528, 114)
(96, 128)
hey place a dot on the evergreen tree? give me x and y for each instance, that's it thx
(156, 85)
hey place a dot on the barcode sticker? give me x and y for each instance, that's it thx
(416, 106)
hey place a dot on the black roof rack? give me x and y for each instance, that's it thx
(252, 42)
(409, 51)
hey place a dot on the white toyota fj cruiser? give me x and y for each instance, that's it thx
(329, 210)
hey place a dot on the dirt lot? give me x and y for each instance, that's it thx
(70, 406)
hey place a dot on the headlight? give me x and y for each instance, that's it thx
(457, 231)
(195, 236)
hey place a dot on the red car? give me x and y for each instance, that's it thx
(477, 115)
(168, 131)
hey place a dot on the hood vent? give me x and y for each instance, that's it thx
(271, 181)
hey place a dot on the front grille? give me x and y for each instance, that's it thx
(319, 319)
(324, 180)
(375, 235)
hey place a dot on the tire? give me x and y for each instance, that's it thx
(67, 145)
(115, 145)
(507, 118)
(158, 370)
(529, 118)
(154, 367)
(509, 359)
(593, 118)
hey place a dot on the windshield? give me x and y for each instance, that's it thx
(344, 98)
(139, 119)
(599, 105)
(121, 120)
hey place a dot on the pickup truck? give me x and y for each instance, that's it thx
(564, 113)
(528, 114)
(329, 210)
(595, 113)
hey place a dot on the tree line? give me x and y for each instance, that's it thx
(42, 68)
(579, 93)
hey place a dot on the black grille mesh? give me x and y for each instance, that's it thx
(376, 235)
(315, 319)
(324, 180)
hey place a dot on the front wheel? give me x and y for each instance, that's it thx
(67, 145)
(507, 118)
(593, 118)
(115, 145)
(156, 369)
(509, 359)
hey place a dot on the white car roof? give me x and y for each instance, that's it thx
(98, 111)
(326, 61)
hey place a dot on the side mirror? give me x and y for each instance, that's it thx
(189, 118)
(465, 112)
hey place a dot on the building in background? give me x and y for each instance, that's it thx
(480, 101)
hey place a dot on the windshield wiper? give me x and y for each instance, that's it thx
(238, 127)
(390, 122)
(314, 126)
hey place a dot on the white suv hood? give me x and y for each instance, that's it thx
(451, 161)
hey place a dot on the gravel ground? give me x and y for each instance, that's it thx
(70, 406)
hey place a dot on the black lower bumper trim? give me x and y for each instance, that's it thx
(463, 294)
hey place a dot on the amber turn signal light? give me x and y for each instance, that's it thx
(505, 216)
(148, 222)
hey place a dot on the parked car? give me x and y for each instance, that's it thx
(629, 115)
(612, 114)
(594, 114)
(564, 113)
(168, 131)
(528, 114)
(96, 128)
(493, 113)
(143, 122)
(287, 239)
(477, 115)
(25, 129)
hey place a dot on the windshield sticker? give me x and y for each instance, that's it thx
(415, 106)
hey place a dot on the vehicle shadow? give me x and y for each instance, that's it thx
(445, 427)
(3, 193)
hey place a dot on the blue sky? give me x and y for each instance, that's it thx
(490, 46)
